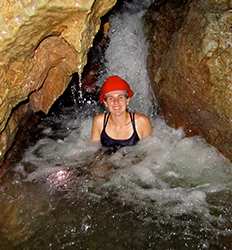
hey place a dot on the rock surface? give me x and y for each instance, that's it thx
(41, 43)
(190, 66)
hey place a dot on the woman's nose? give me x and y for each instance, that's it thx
(115, 100)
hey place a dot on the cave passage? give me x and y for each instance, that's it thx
(167, 192)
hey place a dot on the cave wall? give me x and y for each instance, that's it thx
(41, 43)
(190, 66)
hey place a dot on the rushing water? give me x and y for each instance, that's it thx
(167, 192)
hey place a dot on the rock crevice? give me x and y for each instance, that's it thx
(42, 43)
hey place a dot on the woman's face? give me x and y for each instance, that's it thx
(116, 101)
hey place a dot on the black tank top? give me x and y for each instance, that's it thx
(115, 144)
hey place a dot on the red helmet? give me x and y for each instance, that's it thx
(114, 83)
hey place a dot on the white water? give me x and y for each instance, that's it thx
(127, 53)
(174, 171)
(167, 168)
(166, 173)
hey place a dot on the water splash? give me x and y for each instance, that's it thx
(74, 92)
(80, 93)
(126, 54)
(175, 191)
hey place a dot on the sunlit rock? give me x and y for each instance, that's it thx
(190, 67)
(41, 44)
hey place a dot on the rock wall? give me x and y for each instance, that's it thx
(190, 65)
(42, 43)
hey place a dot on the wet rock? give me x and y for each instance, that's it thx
(190, 68)
(42, 43)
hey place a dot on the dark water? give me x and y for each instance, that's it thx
(169, 192)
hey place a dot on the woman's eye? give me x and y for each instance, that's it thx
(110, 99)
(118, 98)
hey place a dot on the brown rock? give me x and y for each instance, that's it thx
(41, 43)
(190, 67)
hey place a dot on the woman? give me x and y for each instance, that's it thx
(118, 127)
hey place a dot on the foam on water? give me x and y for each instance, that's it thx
(167, 172)
(66, 192)
(175, 172)
(53, 149)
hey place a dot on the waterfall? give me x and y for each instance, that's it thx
(166, 192)
(126, 54)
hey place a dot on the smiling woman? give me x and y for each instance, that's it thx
(118, 127)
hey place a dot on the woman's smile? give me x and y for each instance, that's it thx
(116, 100)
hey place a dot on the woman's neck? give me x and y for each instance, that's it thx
(119, 120)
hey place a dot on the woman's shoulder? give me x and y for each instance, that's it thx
(97, 126)
(143, 124)
(140, 117)
(99, 118)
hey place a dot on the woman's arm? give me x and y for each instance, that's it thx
(143, 125)
(97, 124)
